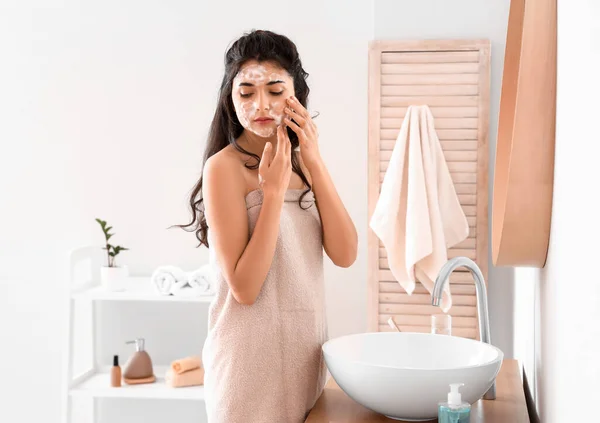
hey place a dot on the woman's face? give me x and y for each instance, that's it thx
(259, 92)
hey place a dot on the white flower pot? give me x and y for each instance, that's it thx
(113, 278)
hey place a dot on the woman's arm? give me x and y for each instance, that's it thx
(245, 261)
(340, 240)
(339, 234)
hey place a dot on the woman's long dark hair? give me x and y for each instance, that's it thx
(226, 128)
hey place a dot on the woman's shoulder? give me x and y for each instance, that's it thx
(225, 157)
(224, 169)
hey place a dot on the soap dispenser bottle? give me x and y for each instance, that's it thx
(455, 410)
(138, 368)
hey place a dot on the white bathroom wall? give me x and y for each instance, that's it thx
(104, 109)
(561, 302)
(463, 19)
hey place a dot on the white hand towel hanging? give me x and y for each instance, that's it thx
(418, 215)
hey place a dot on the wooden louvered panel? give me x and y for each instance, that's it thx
(452, 78)
(457, 321)
(437, 112)
(403, 298)
(437, 79)
(460, 100)
(432, 57)
(452, 252)
(464, 332)
(441, 123)
(453, 69)
(457, 288)
(429, 90)
(443, 134)
(458, 277)
(425, 309)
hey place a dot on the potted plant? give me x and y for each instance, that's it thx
(111, 275)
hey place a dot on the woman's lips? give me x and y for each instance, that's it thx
(263, 120)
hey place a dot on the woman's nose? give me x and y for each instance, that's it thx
(263, 101)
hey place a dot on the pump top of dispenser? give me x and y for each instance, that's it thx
(454, 397)
(139, 344)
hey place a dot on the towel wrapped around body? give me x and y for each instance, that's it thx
(264, 362)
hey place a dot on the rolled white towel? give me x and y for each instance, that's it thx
(202, 279)
(197, 283)
(164, 278)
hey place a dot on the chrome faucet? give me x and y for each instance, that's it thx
(482, 305)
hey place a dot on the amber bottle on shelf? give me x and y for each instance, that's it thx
(115, 373)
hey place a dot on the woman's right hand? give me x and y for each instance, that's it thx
(275, 169)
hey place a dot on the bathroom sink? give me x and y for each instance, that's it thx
(405, 375)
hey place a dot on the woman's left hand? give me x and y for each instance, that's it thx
(298, 119)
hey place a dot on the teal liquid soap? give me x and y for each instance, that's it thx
(449, 414)
(454, 410)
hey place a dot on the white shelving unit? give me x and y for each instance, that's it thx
(95, 381)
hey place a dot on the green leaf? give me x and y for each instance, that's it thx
(111, 254)
(109, 228)
(108, 236)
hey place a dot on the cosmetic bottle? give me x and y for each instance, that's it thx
(138, 368)
(455, 410)
(115, 373)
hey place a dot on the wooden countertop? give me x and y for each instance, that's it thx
(334, 406)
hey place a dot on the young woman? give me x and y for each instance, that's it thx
(266, 207)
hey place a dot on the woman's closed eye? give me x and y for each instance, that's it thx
(249, 94)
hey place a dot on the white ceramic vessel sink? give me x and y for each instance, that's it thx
(405, 375)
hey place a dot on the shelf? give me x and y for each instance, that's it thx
(137, 288)
(97, 385)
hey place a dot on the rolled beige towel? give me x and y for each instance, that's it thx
(184, 364)
(189, 378)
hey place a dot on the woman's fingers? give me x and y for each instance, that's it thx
(293, 103)
(288, 144)
(296, 117)
(265, 163)
(296, 129)
(266, 159)
(280, 142)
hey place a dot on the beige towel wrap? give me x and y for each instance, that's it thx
(263, 362)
